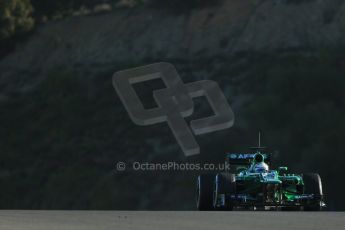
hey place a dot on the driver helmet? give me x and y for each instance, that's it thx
(261, 167)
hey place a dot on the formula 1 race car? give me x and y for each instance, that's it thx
(253, 186)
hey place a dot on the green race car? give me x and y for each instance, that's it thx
(253, 186)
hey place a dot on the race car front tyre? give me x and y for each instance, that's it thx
(224, 185)
(204, 193)
(313, 185)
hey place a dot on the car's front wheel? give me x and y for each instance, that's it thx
(313, 185)
(204, 192)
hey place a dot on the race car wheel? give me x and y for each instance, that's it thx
(204, 192)
(224, 185)
(313, 185)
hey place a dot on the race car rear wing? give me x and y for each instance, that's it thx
(245, 158)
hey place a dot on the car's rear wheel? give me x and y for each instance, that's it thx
(204, 192)
(313, 185)
(224, 185)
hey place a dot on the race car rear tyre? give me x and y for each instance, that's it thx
(313, 185)
(204, 193)
(225, 185)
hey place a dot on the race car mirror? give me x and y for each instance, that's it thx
(282, 169)
(240, 169)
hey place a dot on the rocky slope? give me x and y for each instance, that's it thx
(97, 43)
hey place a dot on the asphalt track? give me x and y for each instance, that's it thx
(168, 220)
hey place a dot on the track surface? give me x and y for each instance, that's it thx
(123, 220)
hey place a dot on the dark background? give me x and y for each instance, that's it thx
(281, 65)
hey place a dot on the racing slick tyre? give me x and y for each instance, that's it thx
(204, 192)
(225, 185)
(313, 185)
